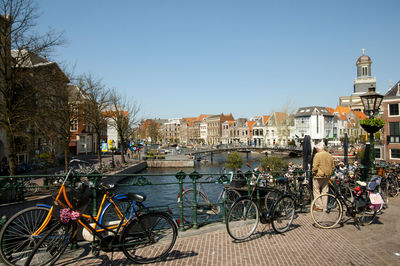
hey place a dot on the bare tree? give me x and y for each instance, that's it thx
(19, 43)
(96, 101)
(154, 131)
(123, 115)
(285, 120)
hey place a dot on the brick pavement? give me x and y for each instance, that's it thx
(304, 244)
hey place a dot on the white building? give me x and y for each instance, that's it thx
(315, 121)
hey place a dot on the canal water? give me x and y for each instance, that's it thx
(164, 189)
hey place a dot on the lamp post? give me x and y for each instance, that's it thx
(371, 102)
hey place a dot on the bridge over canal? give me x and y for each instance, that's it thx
(290, 151)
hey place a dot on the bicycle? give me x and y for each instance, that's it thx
(246, 212)
(135, 229)
(285, 185)
(16, 236)
(361, 208)
(145, 238)
(205, 208)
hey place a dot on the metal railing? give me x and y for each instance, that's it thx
(16, 188)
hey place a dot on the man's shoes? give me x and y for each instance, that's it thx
(315, 208)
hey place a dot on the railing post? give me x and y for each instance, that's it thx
(95, 178)
(248, 175)
(180, 176)
(194, 176)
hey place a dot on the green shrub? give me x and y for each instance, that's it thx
(274, 163)
(234, 161)
(377, 122)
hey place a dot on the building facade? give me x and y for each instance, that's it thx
(391, 131)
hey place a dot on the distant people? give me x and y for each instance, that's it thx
(322, 170)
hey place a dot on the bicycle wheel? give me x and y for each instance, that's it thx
(384, 191)
(283, 214)
(52, 245)
(326, 211)
(305, 196)
(111, 215)
(204, 207)
(367, 215)
(270, 198)
(149, 237)
(230, 196)
(242, 219)
(15, 236)
(393, 187)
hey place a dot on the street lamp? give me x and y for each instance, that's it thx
(371, 102)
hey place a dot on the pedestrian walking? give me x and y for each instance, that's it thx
(322, 170)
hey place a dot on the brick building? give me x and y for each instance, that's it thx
(391, 131)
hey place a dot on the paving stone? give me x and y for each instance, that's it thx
(305, 244)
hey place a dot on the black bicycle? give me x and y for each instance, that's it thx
(327, 209)
(246, 212)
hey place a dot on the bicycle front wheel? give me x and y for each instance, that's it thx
(149, 237)
(16, 242)
(326, 211)
(52, 245)
(283, 214)
(242, 219)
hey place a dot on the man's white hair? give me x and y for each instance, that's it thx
(320, 145)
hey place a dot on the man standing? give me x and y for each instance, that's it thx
(322, 170)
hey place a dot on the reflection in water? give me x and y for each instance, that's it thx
(166, 195)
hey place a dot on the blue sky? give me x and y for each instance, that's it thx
(185, 58)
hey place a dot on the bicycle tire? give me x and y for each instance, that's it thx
(393, 187)
(204, 207)
(149, 237)
(383, 189)
(305, 196)
(242, 219)
(52, 245)
(231, 195)
(110, 214)
(367, 215)
(330, 215)
(15, 236)
(283, 213)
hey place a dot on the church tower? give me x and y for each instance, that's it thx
(364, 79)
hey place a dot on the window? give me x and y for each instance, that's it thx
(395, 153)
(74, 125)
(394, 128)
(394, 109)
(377, 153)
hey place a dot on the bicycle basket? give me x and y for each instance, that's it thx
(238, 182)
(79, 197)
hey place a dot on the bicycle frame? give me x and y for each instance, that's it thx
(96, 219)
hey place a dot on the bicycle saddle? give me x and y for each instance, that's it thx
(139, 198)
(362, 183)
